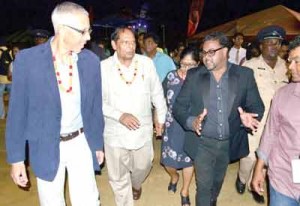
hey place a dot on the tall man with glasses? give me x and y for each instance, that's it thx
(270, 74)
(56, 105)
(218, 105)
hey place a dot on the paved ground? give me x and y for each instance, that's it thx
(154, 189)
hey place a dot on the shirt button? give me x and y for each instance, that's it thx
(219, 98)
(220, 111)
(220, 135)
(221, 124)
(218, 86)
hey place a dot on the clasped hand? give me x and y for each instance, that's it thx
(129, 121)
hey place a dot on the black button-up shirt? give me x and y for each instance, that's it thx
(216, 123)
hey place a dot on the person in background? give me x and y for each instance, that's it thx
(283, 51)
(279, 148)
(6, 59)
(237, 53)
(218, 105)
(173, 157)
(98, 47)
(176, 57)
(130, 87)
(270, 74)
(163, 63)
(56, 106)
(40, 36)
(140, 40)
(252, 51)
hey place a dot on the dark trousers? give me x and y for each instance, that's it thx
(210, 164)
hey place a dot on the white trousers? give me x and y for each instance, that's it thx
(76, 158)
(127, 169)
(247, 163)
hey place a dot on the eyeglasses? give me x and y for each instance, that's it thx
(210, 52)
(188, 65)
(82, 32)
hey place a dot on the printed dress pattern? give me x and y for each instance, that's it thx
(172, 153)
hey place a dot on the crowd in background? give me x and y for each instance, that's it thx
(169, 80)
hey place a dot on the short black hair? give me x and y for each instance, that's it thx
(153, 36)
(295, 43)
(284, 42)
(194, 52)
(218, 36)
(238, 34)
(116, 34)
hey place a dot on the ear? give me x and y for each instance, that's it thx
(113, 44)
(226, 50)
(260, 47)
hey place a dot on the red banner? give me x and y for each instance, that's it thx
(91, 14)
(194, 16)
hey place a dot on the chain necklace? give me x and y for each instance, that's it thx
(129, 82)
(58, 77)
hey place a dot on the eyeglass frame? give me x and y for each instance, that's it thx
(210, 52)
(82, 32)
(188, 65)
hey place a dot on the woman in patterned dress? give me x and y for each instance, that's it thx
(173, 157)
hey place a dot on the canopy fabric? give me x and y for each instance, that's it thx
(251, 24)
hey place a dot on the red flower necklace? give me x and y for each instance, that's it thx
(128, 82)
(59, 81)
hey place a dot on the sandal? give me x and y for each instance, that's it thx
(136, 193)
(172, 187)
(185, 200)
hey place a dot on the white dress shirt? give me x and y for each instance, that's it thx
(233, 55)
(135, 98)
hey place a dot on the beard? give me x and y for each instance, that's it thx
(210, 65)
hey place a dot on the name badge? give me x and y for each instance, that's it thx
(296, 170)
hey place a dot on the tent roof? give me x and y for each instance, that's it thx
(251, 24)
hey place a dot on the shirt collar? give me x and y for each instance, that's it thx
(116, 59)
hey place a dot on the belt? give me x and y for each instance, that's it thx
(72, 135)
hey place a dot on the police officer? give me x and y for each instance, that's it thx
(270, 74)
(40, 36)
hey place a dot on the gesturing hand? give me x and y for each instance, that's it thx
(197, 123)
(129, 121)
(249, 119)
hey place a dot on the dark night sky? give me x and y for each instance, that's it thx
(32, 14)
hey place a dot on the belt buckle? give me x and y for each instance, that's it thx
(71, 135)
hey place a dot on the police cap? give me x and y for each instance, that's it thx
(271, 32)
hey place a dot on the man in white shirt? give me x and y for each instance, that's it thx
(237, 53)
(130, 87)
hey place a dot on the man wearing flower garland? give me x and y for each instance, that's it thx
(130, 87)
(55, 105)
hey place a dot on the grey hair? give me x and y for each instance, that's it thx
(64, 13)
